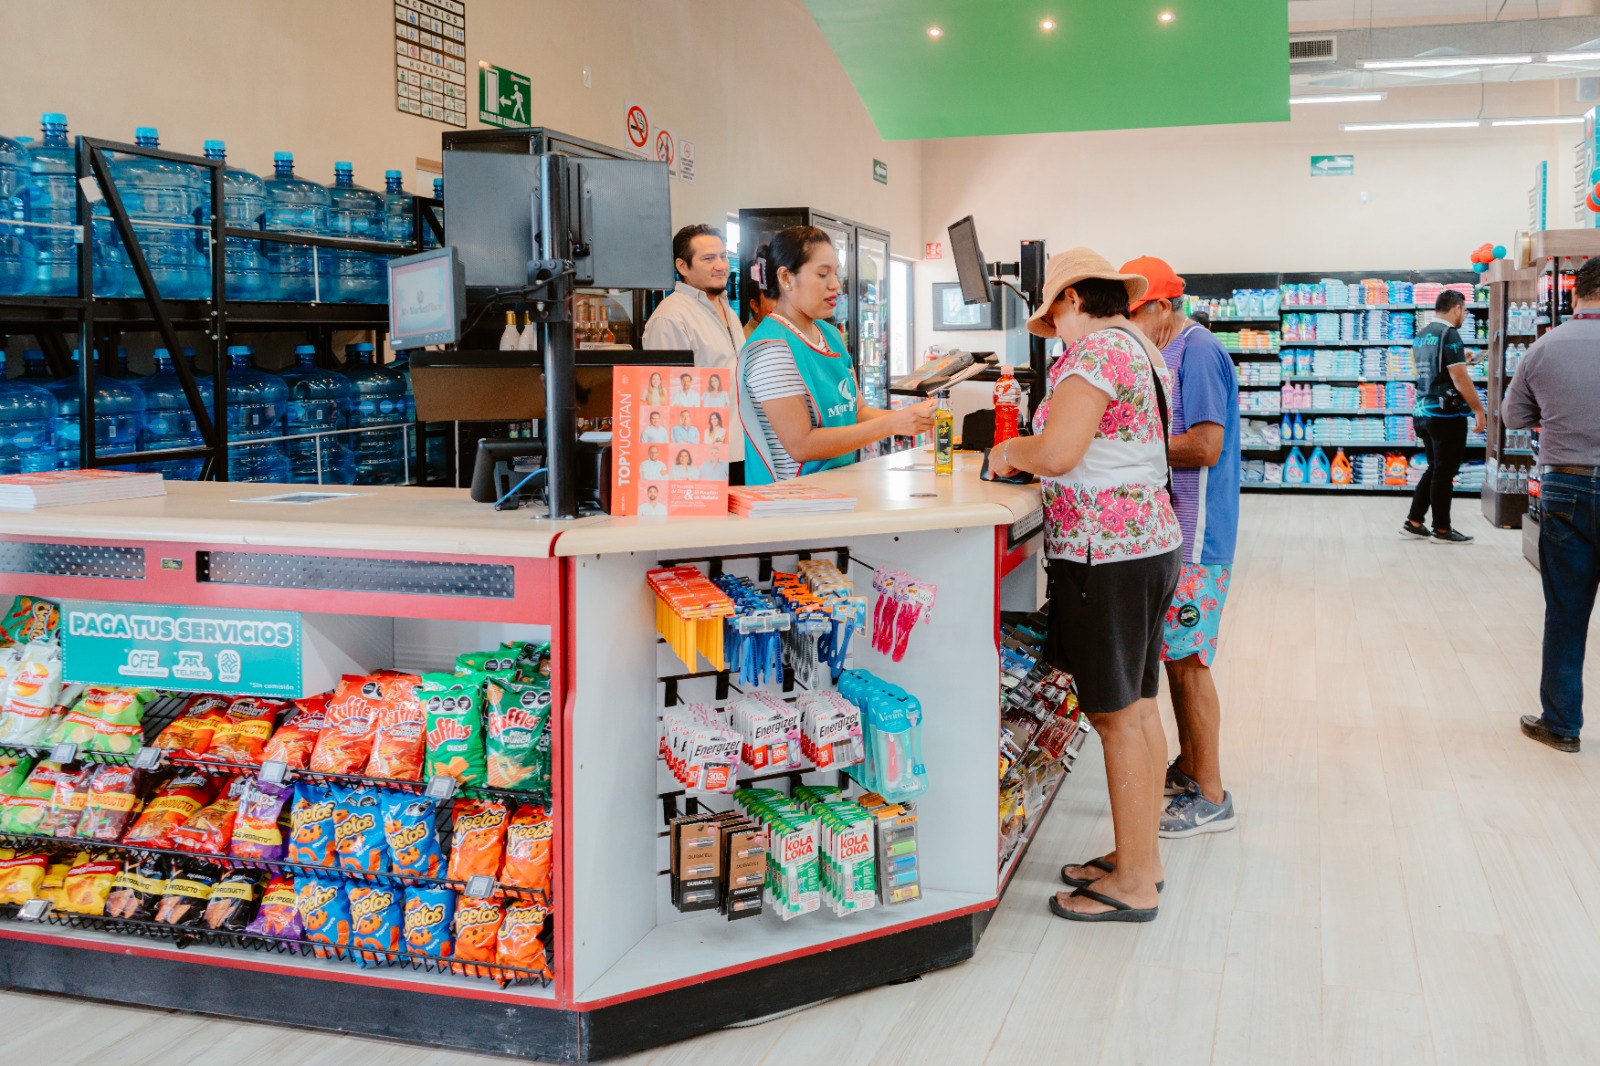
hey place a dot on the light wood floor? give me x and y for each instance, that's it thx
(1412, 881)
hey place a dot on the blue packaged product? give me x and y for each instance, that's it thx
(377, 918)
(429, 914)
(311, 825)
(324, 911)
(358, 842)
(409, 834)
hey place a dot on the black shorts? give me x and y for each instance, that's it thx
(1106, 625)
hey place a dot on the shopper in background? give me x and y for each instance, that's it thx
(1111, 540)
(1445, 394)
(798, 397)
(696, 315)
(759, 305)
(1203, 450)
(1557, 388)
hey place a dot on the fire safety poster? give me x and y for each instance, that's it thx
(671, 429)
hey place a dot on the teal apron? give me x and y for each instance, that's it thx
(831, 383)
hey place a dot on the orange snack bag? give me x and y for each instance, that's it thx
(398, 743)
(477, 929)
(296, 739)
(345, 743)
(243, 736)
(190, 734)
(174, 805)
(528, 841)
(210, 830)
(518, 942)
(479, 839)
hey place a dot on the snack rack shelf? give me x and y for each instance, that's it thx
(408, 578)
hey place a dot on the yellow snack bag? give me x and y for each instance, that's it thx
(20, 877)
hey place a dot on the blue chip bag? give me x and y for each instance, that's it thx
(409, 830)
(324, 911)
(311, 825)
(429, 913)
(377, 918)
(358, 830)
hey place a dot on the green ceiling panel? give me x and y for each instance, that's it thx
(1109, 64)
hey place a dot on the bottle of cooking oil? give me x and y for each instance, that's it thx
(944, 436)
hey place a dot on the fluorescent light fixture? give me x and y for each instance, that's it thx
(1421, 62)
(1339, 98)
(1562, 120)
(1572, 57)
(1373, 127)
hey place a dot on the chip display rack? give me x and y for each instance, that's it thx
(408, 578)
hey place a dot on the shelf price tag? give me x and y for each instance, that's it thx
(441, 788)
(273, 771)
(34, 910)
(479, 886)
(64, 753)
(149, 758)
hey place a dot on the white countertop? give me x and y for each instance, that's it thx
(899, 493)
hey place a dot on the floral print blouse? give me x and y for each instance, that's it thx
(1113, 505)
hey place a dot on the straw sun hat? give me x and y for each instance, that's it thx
(1070, 267)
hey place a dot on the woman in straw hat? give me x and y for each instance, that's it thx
(1111, 538)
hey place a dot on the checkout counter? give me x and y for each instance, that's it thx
(408, 578)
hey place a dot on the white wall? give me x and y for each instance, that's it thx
(1240, 198)
(317, 77)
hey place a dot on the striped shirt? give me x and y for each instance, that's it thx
(773, 375)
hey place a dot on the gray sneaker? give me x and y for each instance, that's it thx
(1179, 782)
(1190, 814)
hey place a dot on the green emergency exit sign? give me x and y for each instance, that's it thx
(504, 97)
(1333, 166)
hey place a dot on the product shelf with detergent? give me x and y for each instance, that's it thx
(1386, 490)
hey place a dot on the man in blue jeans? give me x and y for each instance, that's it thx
(1557, 388)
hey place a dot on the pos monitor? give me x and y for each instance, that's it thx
(970, 267)
(427, 299)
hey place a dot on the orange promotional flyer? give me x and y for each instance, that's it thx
(671, 427)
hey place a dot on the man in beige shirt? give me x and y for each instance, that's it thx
(697, 315)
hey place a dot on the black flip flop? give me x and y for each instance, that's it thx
(1096, 864)
(1120, 911)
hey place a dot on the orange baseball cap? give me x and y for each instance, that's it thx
(1164, 284)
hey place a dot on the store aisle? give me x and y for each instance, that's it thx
(1412, 880)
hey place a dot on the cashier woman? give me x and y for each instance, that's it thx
(798, 397)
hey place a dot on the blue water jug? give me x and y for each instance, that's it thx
(377, 399)
(396, 208)
(118, 416)
(244, 205)
(169, 421)
(16, 250)
(319, 402)
(256, 400)
(258, 461)
(27, 426)
(354, 214)
(294, 205)
(163, 201)
(50, 202)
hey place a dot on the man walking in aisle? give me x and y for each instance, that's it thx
(1557, 388)
(1203, 451)
(1445, 393)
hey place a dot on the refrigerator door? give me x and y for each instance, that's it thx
(844, 239)
(872, 317)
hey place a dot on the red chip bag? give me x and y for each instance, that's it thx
(243, 736)
(113, 799)
(190, 734)
(173, 806)
(479, 839)
(345, 743)
(210, 830)
(518, 942)
(528, 840)
(477, 929)
(398, 741)
(296, 739)
(67, 802)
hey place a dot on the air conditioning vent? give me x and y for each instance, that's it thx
(1313, 50)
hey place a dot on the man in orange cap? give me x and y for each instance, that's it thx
(1203, 450)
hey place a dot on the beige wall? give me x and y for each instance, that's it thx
(1241, 198)
(316, 77)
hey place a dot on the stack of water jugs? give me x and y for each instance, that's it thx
(280, 427)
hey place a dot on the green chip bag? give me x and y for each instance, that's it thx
(533, 661)
(23, 811)
(497, 663)
(516, 717)
(31, 619)
(14, 770)
(452, 704)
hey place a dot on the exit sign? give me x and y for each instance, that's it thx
(1333, 166)
(503, 97)
(880, 172)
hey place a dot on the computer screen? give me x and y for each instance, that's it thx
(970, 267)
(427, 297)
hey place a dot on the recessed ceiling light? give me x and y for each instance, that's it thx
(1561, 120)
(934, 31)
(1420, 62)
(1047, 25)
(1339, 98)
(1372, 127)
(1166, 17)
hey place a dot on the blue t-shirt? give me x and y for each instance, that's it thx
(1206, 389)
